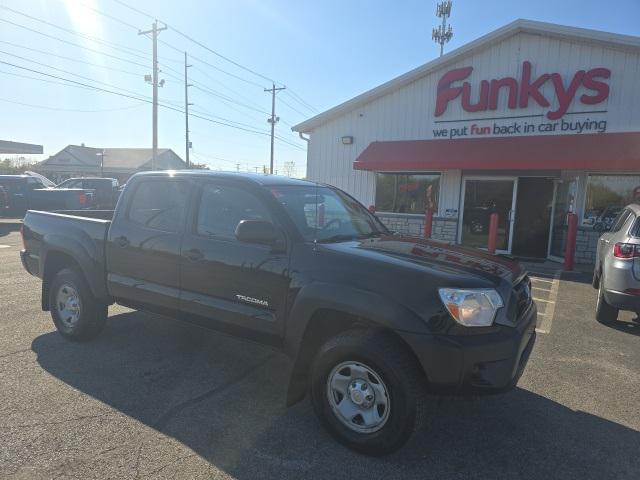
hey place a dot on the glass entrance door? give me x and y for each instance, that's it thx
(563, 203)
(482, 197)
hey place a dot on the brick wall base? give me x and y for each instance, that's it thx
(447, 229)
(443, 228)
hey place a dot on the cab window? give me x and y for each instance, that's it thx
(223, 207)
(159, 204)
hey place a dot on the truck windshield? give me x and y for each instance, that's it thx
(327, 215)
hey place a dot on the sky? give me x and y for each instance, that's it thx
(323, 52)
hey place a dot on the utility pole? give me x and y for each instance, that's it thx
(273, 119)
(186, 110)
(154, 37)
(443, 33)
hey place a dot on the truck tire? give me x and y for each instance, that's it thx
(605, 313)
(368, 391)
(76, 313)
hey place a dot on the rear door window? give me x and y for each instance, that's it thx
(619, 222)
(159, 204)
(33, 184)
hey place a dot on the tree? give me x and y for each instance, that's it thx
(14, 166)
(289, 169)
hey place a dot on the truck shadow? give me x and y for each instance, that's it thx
(8, 228)
(224, 399)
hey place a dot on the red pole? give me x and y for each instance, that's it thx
(493, 233)
(570, 247)
(428, 222)
(372, 209)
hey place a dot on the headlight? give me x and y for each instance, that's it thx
(471, 307)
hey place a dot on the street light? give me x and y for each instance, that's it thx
(101, 155)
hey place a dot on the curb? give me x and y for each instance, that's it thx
(10, 221)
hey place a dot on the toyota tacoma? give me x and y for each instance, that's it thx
(374, 322)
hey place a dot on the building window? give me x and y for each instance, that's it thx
(407, 192)
(606, 196)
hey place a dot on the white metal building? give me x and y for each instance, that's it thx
(531, 121)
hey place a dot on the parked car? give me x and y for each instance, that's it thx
(27, 192)
(4, 201)
(106, 190)
(617, 271)
(372, 321)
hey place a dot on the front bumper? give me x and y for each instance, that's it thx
(483, 363)
(30, 263)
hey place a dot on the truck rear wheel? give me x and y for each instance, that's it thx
(76, 313)
(368, 391)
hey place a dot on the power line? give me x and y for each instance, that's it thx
(107, 43)
(191, 39)
(141, 54)
(301, 101)
(123, 48)
(215, 67)
(305, 115)
(222, 119)
(43, 80)
(71, 73)
(71, 59)
(75, 110)
(168, 107)
(74, 44)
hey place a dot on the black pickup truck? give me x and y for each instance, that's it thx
(26, 192)
(374, 322)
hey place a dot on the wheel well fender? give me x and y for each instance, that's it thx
(63, 252)
(323, 311)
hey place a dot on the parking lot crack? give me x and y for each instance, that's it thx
(15, 353)
(68, 420)
(166, 417)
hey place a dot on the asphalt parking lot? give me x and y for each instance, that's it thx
(156, 398)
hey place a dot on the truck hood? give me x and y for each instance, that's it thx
(436, 256)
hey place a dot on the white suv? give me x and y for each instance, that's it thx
(617, 271)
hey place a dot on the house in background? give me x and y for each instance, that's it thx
(120, 163)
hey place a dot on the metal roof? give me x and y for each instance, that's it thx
(612, 40)
(114, 158)
(17, 147)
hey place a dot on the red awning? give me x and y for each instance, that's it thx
(599, 151)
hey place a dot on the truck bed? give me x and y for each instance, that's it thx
(73, 233)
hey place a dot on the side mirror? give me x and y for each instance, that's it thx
(256, 231)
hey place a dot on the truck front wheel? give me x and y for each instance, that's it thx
(76, 313)
(368, 391)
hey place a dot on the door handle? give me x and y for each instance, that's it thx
(122, 242)
(194, 255)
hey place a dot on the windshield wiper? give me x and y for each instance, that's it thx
(370, 235)
(337, 238)
(342, 237)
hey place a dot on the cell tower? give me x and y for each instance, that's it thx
(443, 33)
